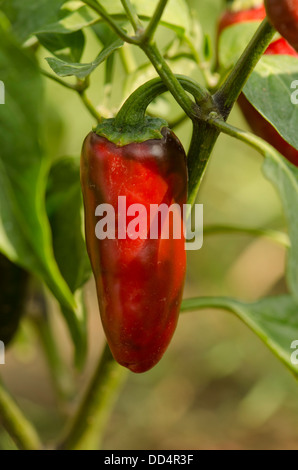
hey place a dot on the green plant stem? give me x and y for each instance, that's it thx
(228, 93)
(16, 424)
(274, 235)
(87, 427)
(133, 110)
(109, 20)
(92, 110)
(199, 303)
(167, 76)
(132, 15)
(58, 80)
(61, 378)
(153, 23)
(252, 140)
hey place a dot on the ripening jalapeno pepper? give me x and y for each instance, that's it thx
(140, 280)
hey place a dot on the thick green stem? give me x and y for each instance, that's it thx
(87, 427)
(153, 23)
(133, 110)
(228, 93)
(203, 140)
(16, 424)
(169, 78)
(80, 87)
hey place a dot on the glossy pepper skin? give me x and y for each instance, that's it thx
(260, 125)
(139, 282)
(283, 15)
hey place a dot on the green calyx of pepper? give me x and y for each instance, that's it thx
(131, 125)
(124, 134)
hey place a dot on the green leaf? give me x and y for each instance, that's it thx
(104, 33)
(284, 176)
(27, 16)
(65, 212)
(65, 69)
(71, 21)
(176, 16)
(273, 319)
(269, 91)
(232, 42)
(25, 235)
(68, 47)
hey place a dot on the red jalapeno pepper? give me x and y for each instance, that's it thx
(139, 281)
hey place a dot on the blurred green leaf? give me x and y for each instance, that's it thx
(67, 47)
(65, 212)
(25, 235)
(26, 16)
(72, 20)
(104, 33)
(273, 319)
(269, 91)
(176, 16)
(284, 176)
(65, 69)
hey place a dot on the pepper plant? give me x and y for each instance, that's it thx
(41, 203)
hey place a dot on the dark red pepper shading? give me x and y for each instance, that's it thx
(13, 289)
(139, 282)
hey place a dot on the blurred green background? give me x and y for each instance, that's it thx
(217, 387)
